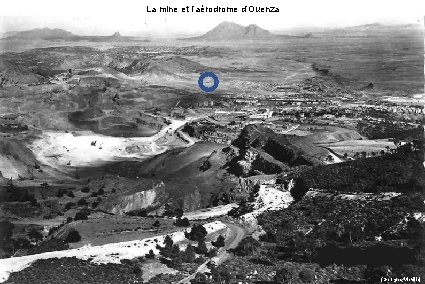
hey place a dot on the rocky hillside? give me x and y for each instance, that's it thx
(287, 149)
(210, 174)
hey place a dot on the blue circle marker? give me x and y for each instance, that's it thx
(201, 82)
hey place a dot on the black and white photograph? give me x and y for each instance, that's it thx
(212, 142)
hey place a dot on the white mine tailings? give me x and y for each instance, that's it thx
(109, 253)
(269, 198)
(56, 149)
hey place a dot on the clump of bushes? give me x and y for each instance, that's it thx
(197, 233)
(182, 222)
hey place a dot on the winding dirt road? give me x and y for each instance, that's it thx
(236, 234)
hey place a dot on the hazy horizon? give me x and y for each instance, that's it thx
(163, 34)
(132, 19)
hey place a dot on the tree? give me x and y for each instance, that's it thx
(268, 237)
(71, 194)
(200, 278)
(176, 258)
(73, 237)
(150, 255)
(6, 232)
(288, 274)
(35, 235)
(168, 242)
(199, 260)
(201, 248)
(211, 253)
(156, 224)
(190, 254)
(175, 250)
(299, 189)
(221, 275)
(101, 191)
(197, 233)
(247, 247)
(219, 243)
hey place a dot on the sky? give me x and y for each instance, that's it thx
(130, 17)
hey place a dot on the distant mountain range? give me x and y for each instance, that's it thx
(60, 34)
(233, 31)
(229, 30)
(375, 28)
(225, 31)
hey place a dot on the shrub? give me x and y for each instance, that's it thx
(126, 261)
(267, 237)
(156, 224)
(85, 189)
(69, 219)
(182, 222)
(199, 260)
(306, 275)
(82, 202)
(170, 211)
(81, 215)
(219, 242)
(71, 194)
(243, 208)
(69, 205)
(60, 192)
(137, 212)
(94, 204)
(137, 270)
(21, 243)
